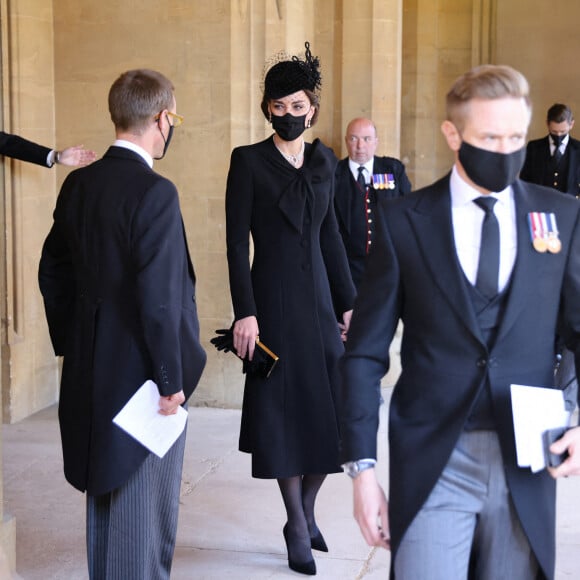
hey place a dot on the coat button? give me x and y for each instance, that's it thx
(482, 363)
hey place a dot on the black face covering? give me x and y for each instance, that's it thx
(557, 139)
(490, 170)
(167, 141)
(289, 127)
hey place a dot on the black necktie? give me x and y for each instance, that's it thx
(361, 178)
(557, 154)
(488, 268)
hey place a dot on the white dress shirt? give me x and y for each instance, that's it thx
(136, 149)
(353, 165)
(467, 218)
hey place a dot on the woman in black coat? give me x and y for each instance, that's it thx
(281, 192)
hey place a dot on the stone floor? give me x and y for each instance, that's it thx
(230, 524)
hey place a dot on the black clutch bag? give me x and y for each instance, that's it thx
(263, 362)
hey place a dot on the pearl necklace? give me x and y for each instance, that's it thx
(292, 159)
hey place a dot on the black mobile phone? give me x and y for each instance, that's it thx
(548, 437)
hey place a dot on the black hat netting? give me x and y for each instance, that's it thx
(292, 74)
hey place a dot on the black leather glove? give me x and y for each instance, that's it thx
(224, 340)
(261, 364)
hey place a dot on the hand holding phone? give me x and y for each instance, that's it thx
(548, 437)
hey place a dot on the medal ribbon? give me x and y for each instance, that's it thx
(538, 227)
(552, 227)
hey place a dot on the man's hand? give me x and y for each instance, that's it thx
(371, 509)
(570, 442)
(168, 405)
(76, 156)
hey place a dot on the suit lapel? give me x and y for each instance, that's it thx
(432, 224)
(522, 278)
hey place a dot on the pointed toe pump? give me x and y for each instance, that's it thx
(308, 567)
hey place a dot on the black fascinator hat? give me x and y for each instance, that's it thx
(292, 75)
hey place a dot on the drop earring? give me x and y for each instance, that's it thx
(308, 124)
(270, 117)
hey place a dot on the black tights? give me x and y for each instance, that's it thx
(299, 495)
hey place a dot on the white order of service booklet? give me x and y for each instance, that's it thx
(535, 410)
(141, 419)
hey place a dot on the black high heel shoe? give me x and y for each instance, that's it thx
(317, 542)
(308, 567)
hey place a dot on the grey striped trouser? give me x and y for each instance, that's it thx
(131, 530)
(468, 516)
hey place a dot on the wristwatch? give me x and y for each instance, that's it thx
(353, 468)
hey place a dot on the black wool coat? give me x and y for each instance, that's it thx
(289, 421)
(119, 294)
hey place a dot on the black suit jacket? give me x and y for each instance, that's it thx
(19, 148)
(536, 168)
(346, 187)
(119, 295)
(413, 275)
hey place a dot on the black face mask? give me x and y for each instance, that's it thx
(490, 170)
(557, 139)
(167, 141)
(289, 127)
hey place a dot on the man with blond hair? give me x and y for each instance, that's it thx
(480, 291)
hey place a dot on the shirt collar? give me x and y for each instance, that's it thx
(136, 149)
(353, 165)
(563, 143)
(462, 193)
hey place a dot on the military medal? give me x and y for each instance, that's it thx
(538, 231)
(554, 243)
(383, 181)
(540, 245)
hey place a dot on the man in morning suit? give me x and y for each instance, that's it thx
(24, 150)
(554, 160)
(455, 262)
(119, 293)
(363, 184)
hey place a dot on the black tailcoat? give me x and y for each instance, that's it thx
(414, 275)
(119, 294)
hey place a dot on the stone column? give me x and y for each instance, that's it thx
(370, 69)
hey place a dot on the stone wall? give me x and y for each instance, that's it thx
(215, 54)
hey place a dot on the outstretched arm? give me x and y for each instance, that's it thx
(76, 156)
